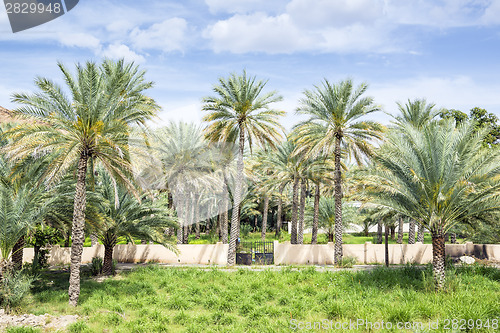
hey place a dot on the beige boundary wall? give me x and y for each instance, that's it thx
(188, 254)
(284, 253)
(368, 253)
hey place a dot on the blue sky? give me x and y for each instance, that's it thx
(444, 50)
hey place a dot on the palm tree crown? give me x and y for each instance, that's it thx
(417, 113)
(240, 108)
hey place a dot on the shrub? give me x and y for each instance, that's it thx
(13, 288)
(245, 229)
(96, 266)
(348, 262)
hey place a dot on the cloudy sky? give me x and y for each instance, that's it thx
(447, 51)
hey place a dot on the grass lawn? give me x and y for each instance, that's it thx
(161, 299)
(322, 239)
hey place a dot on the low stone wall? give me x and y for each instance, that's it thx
(188, 254)
(284, 253)
(368, 253)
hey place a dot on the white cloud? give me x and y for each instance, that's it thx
(82, 40)
(4, 20)
(120, 26)
(334, 13)
(257, 33)
(356, 38)
(243, 6)
(442, 13)
(341, 25)
(117, 51)
(325, 26)
(168, 35)
(492, 13)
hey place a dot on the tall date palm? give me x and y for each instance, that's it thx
(334, 127)
(90, 125)
(241, 112)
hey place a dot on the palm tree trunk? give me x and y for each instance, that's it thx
(224, 222)
(411, 232)
(420, 235)
(93, 239)
(77, 230)
(280, 208)
(264, 218)
(300, 235)
(379, 232)
(189, 220)
(179, 234)
(107, 265)
(197, 230)
(314, 237)
(338, 202)
(295, 208)
(235, 218)
(438, 258)
(17, 254)
(180, 215)
(208, 225)
(185, 235)
(400, 231)
(453, 238)
(393, 232)
(386, 245)
(225, 211)
(195, 217)
(218, 221)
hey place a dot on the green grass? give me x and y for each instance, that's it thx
(322, 239)
(161, 299)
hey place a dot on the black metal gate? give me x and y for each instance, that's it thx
(260, 253)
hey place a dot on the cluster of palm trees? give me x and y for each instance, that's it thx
(92, 149)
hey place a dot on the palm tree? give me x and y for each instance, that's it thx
(418, 113)
(90, 126)
(240, 111)
(326, 216)
(334, 127)
(124, 216)
(318, 171)
(411, 232)
(287, 169)
(261, 174)
(437, 175)
(21, 209)
(181, 150)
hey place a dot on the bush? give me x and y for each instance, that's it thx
(14, 286)
(40, 260)
(245, 229)
(348, 262)
(96, 266)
